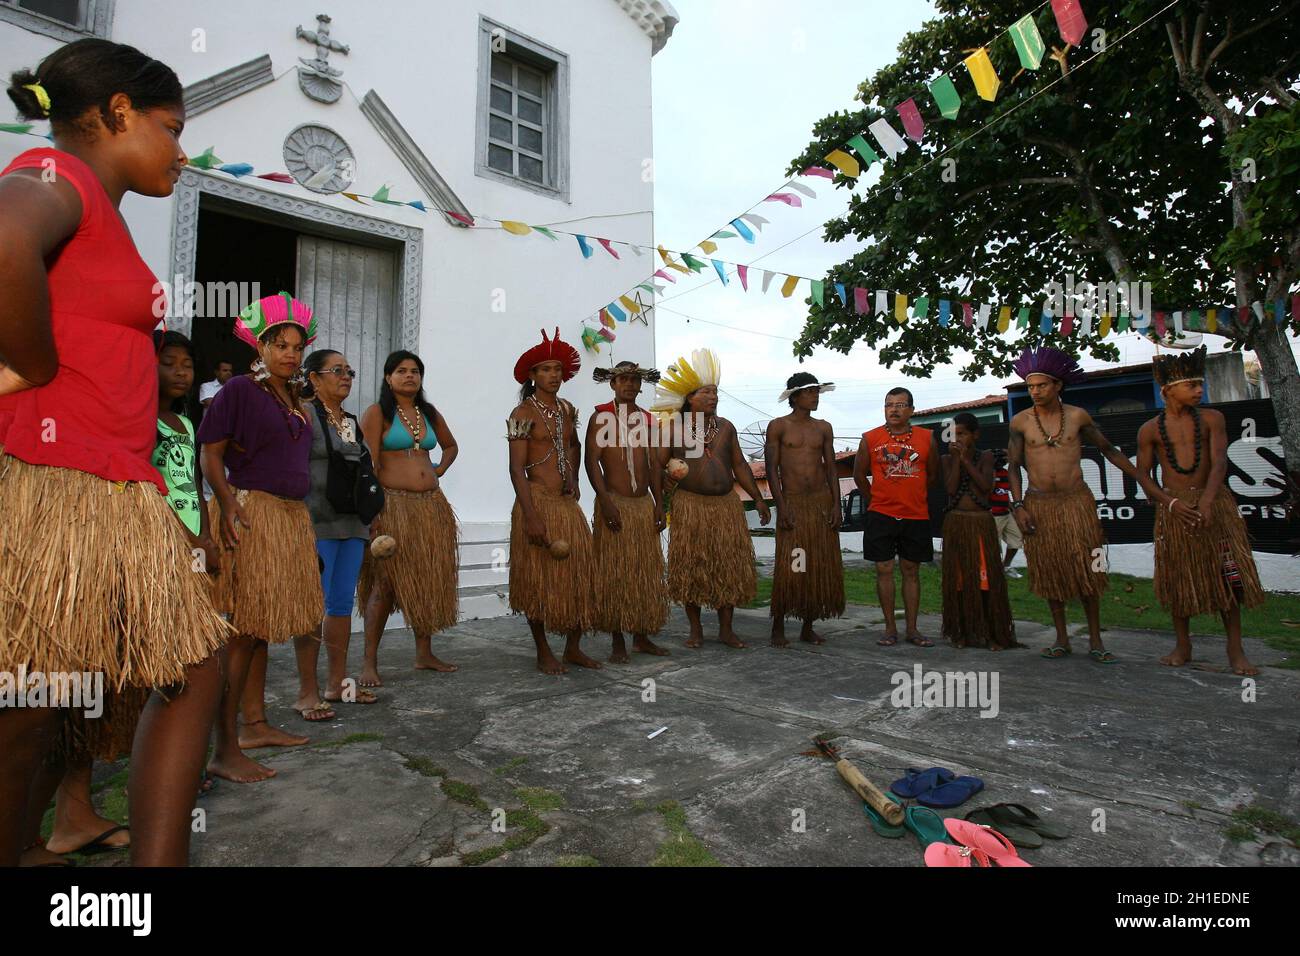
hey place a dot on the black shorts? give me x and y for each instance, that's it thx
(885, 538)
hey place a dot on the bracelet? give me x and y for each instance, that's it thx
(1017, 505)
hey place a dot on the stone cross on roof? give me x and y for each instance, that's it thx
(317, 78)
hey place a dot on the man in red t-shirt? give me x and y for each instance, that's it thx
(903, 465)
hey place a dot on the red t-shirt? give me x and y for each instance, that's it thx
(900, 472)
(98, 414)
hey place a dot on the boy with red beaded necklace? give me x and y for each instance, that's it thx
(1204, 567)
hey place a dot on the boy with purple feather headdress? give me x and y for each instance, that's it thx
(1064, 542)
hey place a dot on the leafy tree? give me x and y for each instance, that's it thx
(1172, 157)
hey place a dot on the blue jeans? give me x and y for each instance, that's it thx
(342, 558)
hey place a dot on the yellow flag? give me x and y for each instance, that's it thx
(982, 73)
(516, 228)
(900, 307)
(844, 163)
(1211, 320)
(668, 261)
(1105, 326)
(630, 305)
(708, 247)
(1004, 318)
(790, 283)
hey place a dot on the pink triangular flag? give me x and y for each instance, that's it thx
(913, 125)
(460, 218)
(861, 301)
(968, 315)
(743, 272)
(790, 199)
(608, 247)
(664, 275)
(1070, 20)
(821, 171)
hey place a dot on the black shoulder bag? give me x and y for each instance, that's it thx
(351, 487)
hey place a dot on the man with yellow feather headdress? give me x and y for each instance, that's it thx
(710, 554)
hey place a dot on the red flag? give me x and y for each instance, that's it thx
(1070, 20)
(1243, 315)
(861, 305)
(278, 177)
(968, 315)
(460, 218)
(913, 125)
(1067, 324)
(608, 247)
(743, 272)
(1159, 323)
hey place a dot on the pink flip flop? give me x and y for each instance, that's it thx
(945, 854)
(986, 841)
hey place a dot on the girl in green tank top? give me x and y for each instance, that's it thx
(175, 455)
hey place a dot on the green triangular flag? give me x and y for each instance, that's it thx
(546, 232)
(1028, 41)
(723, 235)
(205, 159)
(921, 307)
(946, 96)
(15, 127)
(1122, 326)
(863, 149)
(1193, 320)
(1022, 318)
(647, 286)
(695, 265)
(818, 291)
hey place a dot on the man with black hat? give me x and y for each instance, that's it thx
(800, 458)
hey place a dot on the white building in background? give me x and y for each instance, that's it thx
(537, 111)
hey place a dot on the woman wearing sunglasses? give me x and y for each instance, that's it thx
(403, 431)
(341, 539)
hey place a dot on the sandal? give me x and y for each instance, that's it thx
(946, 854)
(992, 844)
(880, 824)
(1004, 816)
(917, 782)
(920, 641)
(322, 710)
(1056, 652)
(363, 697)
(1103, 657)
(951, 794)
(889, 640)
(925, 825)
(1018, 834)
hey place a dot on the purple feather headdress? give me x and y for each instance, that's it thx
(1051, 362)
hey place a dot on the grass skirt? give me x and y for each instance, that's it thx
(270, 584)
(1189, 578)
(1068, 541)
(710, 554)
(976, 610)
(97, 576)
(558, 593)
(424, 572)
(630, 594)
(815, 591)
(107, 737)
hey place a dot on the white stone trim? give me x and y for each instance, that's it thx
(656, 18)
(203, 95)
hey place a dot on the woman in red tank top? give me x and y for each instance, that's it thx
(96, 581)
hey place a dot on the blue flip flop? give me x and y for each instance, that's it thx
(918, 782)
(952, 793)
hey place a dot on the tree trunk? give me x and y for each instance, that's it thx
(1277, 366)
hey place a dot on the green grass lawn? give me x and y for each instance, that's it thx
(1129, 604)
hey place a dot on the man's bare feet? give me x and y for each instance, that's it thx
(617, 650)
(778, 635)
(432, 663)
(1180, 655)
(696, 637)
(729, 638)
(643, 645)
(259, 733)
(575, 656)
(547, 664)
(1241, 666)
(39, 856)
(239, 768)
(809, 636)
(370, 677)
(66, 839)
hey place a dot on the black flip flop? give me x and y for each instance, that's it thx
(97, 845)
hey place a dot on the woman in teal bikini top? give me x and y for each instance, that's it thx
(398, 437)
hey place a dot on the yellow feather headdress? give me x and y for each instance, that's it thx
(704, 368)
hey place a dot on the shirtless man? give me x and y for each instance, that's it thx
(1205, 566)
(551, 567)
(710, 554)
(1064, 542)
(630, 594)
(800, 456)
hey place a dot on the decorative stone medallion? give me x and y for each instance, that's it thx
(319, 158)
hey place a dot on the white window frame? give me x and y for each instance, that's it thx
(96, 20)
(555, 109)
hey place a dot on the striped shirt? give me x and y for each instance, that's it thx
(1000, 499)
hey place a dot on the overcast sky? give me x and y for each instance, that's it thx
(736, 93)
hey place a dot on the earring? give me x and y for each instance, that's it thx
(298, 380)
(260, 372)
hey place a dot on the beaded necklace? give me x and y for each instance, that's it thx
(1052, 440)
(1171, 453)
(289, 412)
(554, 419)
(417, 429)
(345, 429)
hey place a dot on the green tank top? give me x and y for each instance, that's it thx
(173, 456)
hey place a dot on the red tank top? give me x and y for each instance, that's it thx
(98, 413)
(899, 472)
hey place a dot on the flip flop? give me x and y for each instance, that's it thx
(918, 782)
(364, 696)
(946, 854)
(889, 640)
(951, 794)
(1103, 657)
(925, 825)
(1056, 652)
(1020, 836)
(880, 824)
(981, 839)
(97, 845)
(1019, 815)
(321, 708)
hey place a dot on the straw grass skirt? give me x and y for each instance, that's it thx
(558, 593)
(808, 585)
(96, 576)
(630, 594)
(976, 610)
(1190, 574)
(106, 737)
(270, 584)
(1068, 543)
(710, 554)
(423, 573)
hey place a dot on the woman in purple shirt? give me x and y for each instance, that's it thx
(256, 446)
